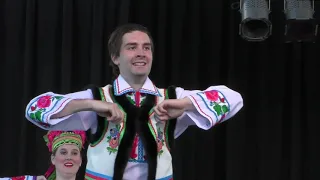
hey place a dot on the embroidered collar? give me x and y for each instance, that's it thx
(120, 86)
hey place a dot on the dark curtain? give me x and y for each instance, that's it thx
(61, 46)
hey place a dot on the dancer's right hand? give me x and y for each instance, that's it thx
(111, 111)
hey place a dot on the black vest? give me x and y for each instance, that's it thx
(136, 122)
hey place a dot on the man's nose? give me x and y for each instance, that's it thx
(140, 52)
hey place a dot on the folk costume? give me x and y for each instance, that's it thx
(139, 148)
(55, 139)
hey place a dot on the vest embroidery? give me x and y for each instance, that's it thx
(109, 137)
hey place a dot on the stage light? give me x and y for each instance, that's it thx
(300, 23)
(255, 24)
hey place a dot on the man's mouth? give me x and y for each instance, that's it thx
(68, 164)
(139, 63)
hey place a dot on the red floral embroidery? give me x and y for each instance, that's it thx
(113, 143)
(18, 178)
(113, 139)
(160, 142)
(212, 95)
(218, 103)
(44, 102)
(33, 108)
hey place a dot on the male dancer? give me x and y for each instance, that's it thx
(131, 122)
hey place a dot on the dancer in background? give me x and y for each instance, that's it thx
(65, 148)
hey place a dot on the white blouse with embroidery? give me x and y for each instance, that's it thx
(214, 105)
(24, 177)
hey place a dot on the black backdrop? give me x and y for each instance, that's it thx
(60, 46)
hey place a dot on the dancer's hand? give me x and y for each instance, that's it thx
(172, 108)
(111, 111)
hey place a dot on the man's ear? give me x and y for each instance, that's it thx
(115, 59)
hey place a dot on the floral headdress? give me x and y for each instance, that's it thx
(55, 139)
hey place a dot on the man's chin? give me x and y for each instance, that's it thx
(140, 74)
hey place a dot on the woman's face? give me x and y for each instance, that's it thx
(67, 160)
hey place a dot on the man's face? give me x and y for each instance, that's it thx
(135, 58)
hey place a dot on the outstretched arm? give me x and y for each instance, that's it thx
(76, 111)
(204, 109)
(52, 111)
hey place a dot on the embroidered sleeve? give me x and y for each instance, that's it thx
(214, 105)
(26, 177)
(40, 109)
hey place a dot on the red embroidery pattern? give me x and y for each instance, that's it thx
(160, 141)
(44, 101)
(41, 106)
(18, 178)
(113, 139)
(218, 103)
